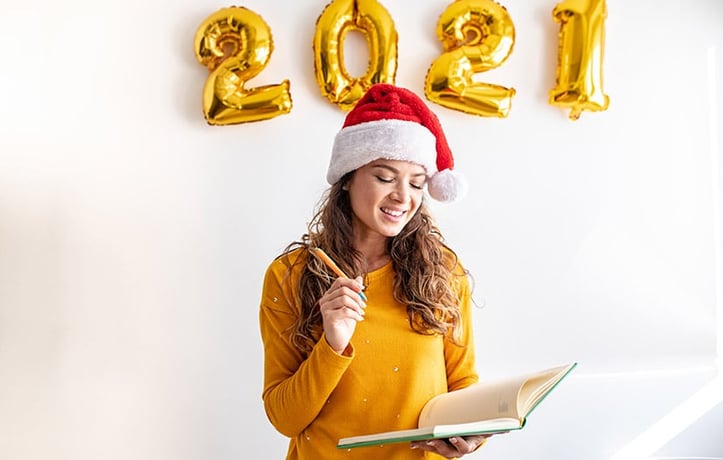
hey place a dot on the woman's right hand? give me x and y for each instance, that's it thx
(341, 308)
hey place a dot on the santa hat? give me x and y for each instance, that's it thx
(395, 124)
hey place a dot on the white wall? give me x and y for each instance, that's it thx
(133, 236)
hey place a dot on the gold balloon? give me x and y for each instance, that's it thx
(477, 36)
(338, 18)
(235, 44)
(580, 56)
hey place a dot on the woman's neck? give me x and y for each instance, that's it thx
(374, 253)
(377, 262)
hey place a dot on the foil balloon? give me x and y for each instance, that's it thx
(477, 36)
(338, 18)
(580, 55)
(235, 45)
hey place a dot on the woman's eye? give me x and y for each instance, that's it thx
(417, 186)
(386, 180)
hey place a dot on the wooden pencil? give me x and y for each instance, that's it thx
(334, 267)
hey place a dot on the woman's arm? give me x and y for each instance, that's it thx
(296, 390)
(460, 356)
(296, 386)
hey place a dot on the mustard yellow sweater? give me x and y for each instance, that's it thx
(319, 397)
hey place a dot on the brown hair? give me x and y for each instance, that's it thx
(425, 268)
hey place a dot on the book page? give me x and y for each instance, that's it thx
(538, 386)
(481, 401)
(513, 397)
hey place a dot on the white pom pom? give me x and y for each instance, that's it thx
(447, 186)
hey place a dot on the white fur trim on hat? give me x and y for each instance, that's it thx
(360, 144)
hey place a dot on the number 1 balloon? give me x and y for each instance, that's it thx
(580, 56)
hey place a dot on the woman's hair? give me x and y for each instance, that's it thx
(424, 264)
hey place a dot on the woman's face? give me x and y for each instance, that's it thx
(384, 196)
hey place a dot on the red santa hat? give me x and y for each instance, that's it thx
(395, 124)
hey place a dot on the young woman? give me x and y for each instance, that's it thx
(337, 365)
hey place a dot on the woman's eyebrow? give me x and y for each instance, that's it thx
(396, 171)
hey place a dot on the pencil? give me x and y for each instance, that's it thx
(334, 267)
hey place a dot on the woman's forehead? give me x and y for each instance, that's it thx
(398, 166)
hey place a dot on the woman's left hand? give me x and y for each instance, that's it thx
(454, 447)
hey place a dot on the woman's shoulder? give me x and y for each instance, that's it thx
(282, 275)
(290, 259)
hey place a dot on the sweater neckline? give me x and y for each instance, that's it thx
(381, 272)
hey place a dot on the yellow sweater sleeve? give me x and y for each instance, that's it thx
(460, 357)
(296, 387)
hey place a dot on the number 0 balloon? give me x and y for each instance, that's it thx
(338, 18)
(235, 44)
(579, 63)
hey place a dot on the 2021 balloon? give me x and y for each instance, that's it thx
(579, 82)
(338, 18)
(477, 36)
(235, 44)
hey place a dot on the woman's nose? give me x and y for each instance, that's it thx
(401, 193)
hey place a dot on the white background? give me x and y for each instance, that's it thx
(133, 236)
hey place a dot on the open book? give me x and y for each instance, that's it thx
(483, 408)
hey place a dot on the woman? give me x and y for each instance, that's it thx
(335, 365)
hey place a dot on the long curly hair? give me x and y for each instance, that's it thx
(425, 268)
